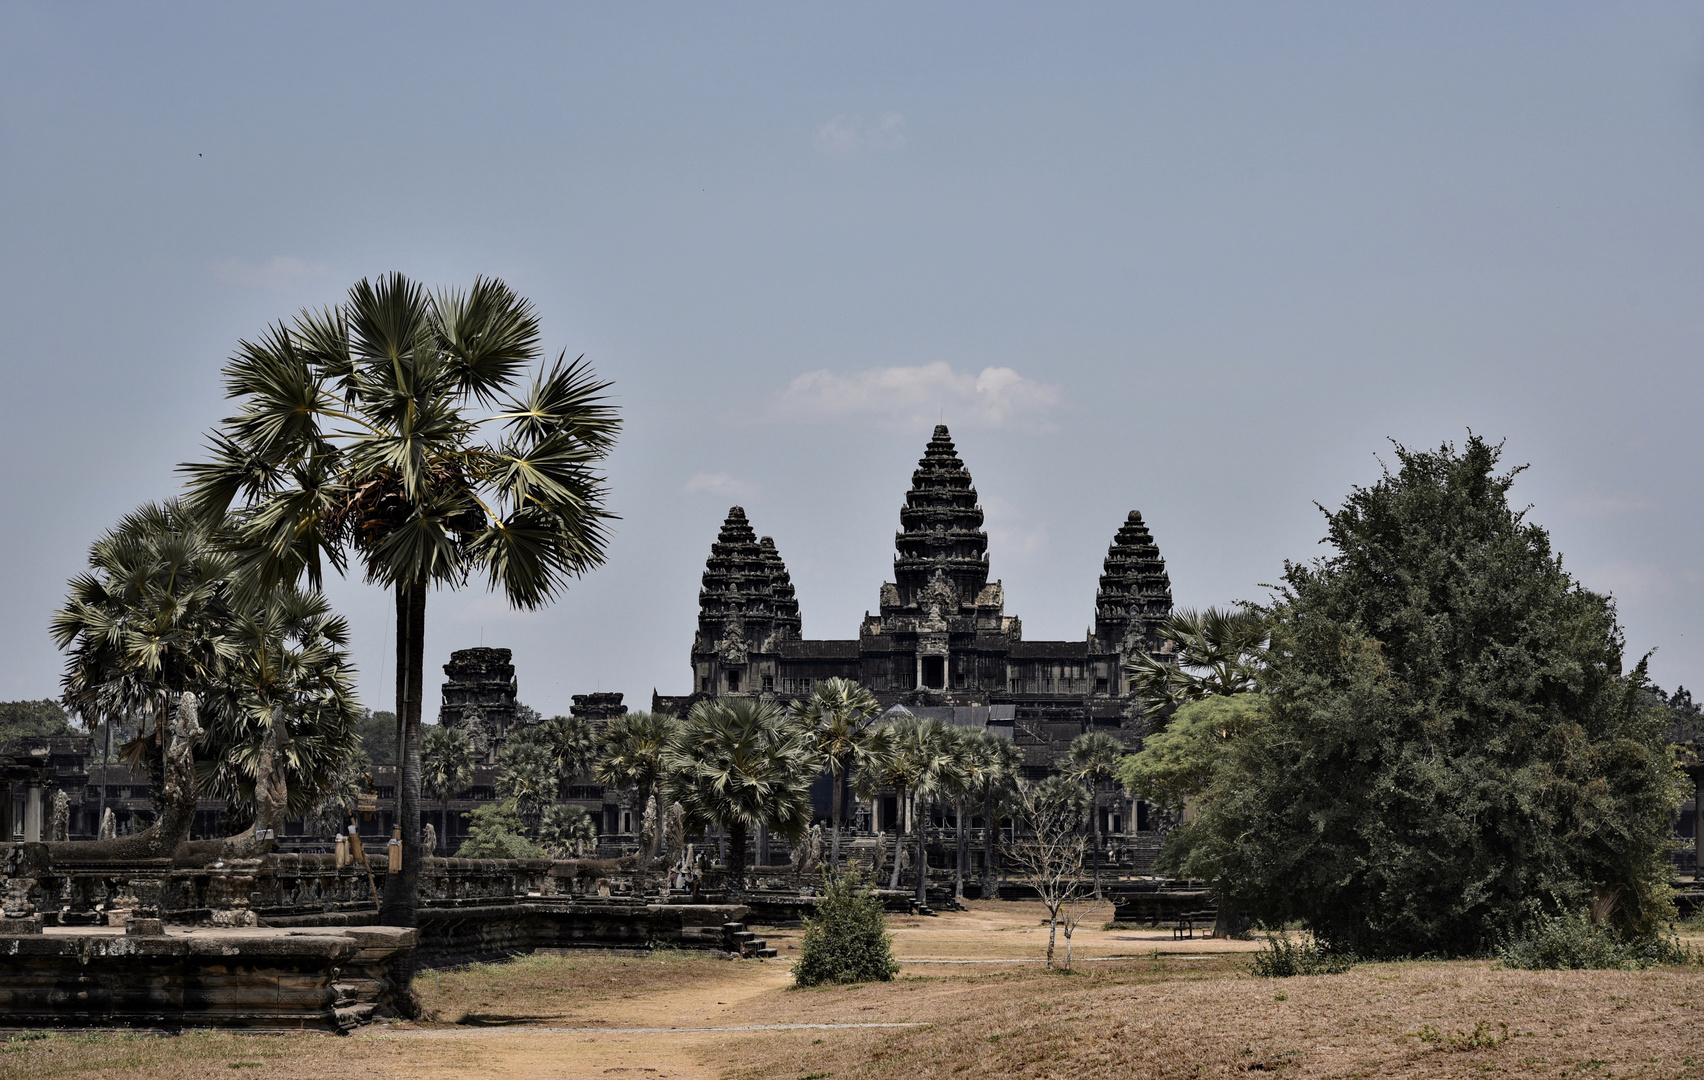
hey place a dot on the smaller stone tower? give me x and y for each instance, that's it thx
(1135, 592)
(479, 698)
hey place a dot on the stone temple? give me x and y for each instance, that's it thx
(941, 642)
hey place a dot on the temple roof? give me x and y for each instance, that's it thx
(746, 581)
(1135, 590)
(941, 529)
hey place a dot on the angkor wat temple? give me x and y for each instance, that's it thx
(941, 640)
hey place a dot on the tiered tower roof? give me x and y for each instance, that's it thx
(941, 528)
(746, 581)
(1135, 591)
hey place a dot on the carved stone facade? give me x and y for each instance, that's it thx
(941, 635)
(479, 698)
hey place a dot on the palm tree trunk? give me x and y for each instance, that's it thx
(1094, 831)
(898, 834)
(963, 848)
(444, 822)
(988, 827)
(736, 860)
(922, 853)
(402, 889)
(657, 840)
(834, 851)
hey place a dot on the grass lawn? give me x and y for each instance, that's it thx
(970, 1001)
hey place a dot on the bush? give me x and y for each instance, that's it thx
(847, 940)
(1574, 942)
(1281, 958)
(495, 833)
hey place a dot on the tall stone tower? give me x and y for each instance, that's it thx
(1135, 592)
(746, 610)
(479, 698)
(940, 566)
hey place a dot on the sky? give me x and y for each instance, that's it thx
(1205, 261)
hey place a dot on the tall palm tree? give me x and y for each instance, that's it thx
(1094, 760)
(446, 766)
(281, 715)
(918, 750)
(1211, 652)
(396, 428)
(738, 763)
(147, 621)
(838, 715)
(634, 745)
(571, 742)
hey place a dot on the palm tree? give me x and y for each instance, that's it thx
(1094, 759)
(527, 777)
(357, 434)
(1212, 652)
(633, 748)
(144, 623)
(281, 713)
(994, 785)
(567, 831)
(838, 715)
(571, 742)
(738, 763)
(446, 766)
(917, 752)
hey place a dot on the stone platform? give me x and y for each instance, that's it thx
(325, 979)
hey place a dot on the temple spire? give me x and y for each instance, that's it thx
(1135, 590)
(941, 549)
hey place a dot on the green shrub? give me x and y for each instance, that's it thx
(1573, 941)
(847, 940)
(1281, 958)
(494, 832)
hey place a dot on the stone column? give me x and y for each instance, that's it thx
(32, 812)
(7, 828)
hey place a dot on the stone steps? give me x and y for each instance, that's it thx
(747, 945)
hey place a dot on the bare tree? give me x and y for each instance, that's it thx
(1049, 858)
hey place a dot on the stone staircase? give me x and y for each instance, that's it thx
(747, 945)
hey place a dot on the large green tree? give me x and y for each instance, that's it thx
(399, 430)
(1451, 747)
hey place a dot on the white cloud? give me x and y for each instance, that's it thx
(1600, 504)
(851, 137)
(722, 484)
(910, 397)
(281, 272)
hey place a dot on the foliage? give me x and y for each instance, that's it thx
(846, 940)
(738, 763)
(570, 742)
(339, 793)
(287, 664)
(838, 715)
(24, 719)
(495, 831)
(145, 622)
(1572, 941)
(1204, 653)
(634, 746)
(1450, 745)
(399, 429)
(378, 735)
(567, 832)
(1281, 957)
(1176, 765)
(527, 777)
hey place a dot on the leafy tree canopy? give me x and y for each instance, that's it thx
(378, 735)
(23, 719)
(1451, 748)
(495, 832)
(1176, 765)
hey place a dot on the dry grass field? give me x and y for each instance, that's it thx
(970, 1001)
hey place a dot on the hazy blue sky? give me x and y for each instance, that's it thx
(1196, 260)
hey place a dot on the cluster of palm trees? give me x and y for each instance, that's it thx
(745, 766)
(159, 612)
